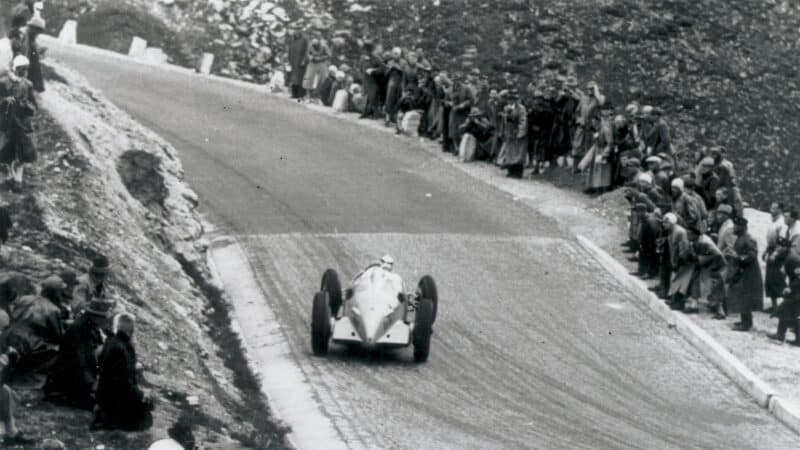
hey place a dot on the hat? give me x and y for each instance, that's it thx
(101, 307)
(332, 68)
(165, 444)
(653, 160)
(677, 183)
(647, 110)
(671, 218)
(355, 88)
(20, 61)
(37, 22)
(100, 265)
(475, 71)
(632, 109)
(725, 208)
(345, 68)
(340, 76)
(474, 112)
(707, 161)
(54, 282)
(644, 176)
(633, 162)
(718, 150)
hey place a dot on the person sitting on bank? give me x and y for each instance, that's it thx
(121, 404)
(72, 379)
(91, 285)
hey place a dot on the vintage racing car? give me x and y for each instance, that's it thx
(374, 311)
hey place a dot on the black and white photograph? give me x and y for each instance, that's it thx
(399, 224)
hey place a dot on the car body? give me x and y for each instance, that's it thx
(374, 311)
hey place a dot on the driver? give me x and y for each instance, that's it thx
(387, 264)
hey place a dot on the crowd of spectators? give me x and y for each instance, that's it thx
(687, 225)
(64, 334)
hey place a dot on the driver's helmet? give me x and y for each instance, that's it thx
(387, 262)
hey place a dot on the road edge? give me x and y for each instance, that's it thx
(761, 392)
(282, 381)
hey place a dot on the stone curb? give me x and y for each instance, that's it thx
(763, 394)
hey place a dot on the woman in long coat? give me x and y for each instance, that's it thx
(515, 137)
(746, 284)
(600, 159)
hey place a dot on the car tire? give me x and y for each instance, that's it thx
(320, 324)
(427, 289)
(423, 329)
(330, 284)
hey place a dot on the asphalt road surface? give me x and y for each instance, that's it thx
(535, 345)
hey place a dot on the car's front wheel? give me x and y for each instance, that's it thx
(320, 324)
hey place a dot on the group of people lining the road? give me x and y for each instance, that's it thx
(687, 228)
(18, 84)
(63, 334)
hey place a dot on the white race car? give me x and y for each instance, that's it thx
(375, 311)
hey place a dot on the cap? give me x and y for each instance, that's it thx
(677, 183)
(20, 61)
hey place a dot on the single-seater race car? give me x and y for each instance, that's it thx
(374, 311)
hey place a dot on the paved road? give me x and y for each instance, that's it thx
(534, 347)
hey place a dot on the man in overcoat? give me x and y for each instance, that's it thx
(298, 61)
(746, 283)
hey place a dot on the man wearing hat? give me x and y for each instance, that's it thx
(17, 106)
(708, 285)
(746, 283)
(371, 67)
(657, 140)
(723, 168)
(707, 181)
(541, 115)
(297, 52)
(91, 285)
(789, 311)
(683, 205)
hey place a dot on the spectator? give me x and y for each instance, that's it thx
(601, 158)
(91, 285)
(788, 311)
(700, 204)
(541, 116)
(657, 139)
(5, 225)
(8, 403)
(298, 61)
(37, 328)
(17, 106)
(564, 124)
(72, 379)
(708, 182)
(681, 261)
(394, 70)
(774, 279)
(20, 14)
(588, 120)
(339, 95)
(709, 284)
(121, 404)
(515, 129)
(479, 127)
(746, 284)
(792, 229)
(371, 69)
(326, 87)
(462, 102)
(723, 168)
(319, 57)
(35, 27)
(683, 205)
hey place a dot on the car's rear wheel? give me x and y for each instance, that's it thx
(427, 289)
(331, 285)
(423, 329)
(320, 324)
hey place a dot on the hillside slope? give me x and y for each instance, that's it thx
(106, 185)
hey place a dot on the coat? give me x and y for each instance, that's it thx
(563, 125)
(394, 86)
(541, 115)
(515, 136)
(464, 97)
(657, 140)
(5, 224)
(36, 331)
(789, 309)
(774, 279)
(16, 121)
(298, 59)
(120, 400)
(74, 374)
(84, 292)
(746, 292)
(371, 69)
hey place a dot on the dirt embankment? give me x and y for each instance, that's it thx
(104, 184)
